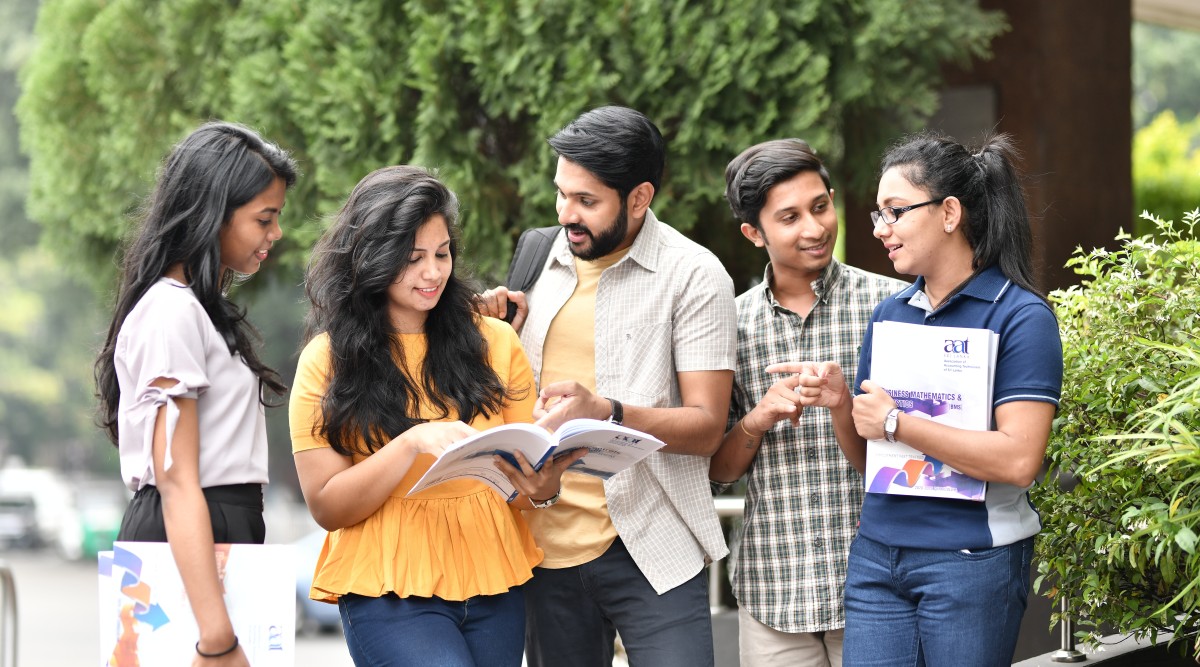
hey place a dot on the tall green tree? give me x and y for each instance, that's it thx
(1165, 76)
(1166, 168)
(48, 320)
(470, 87)
(1166, 111)
(16, 41)
(48, 325)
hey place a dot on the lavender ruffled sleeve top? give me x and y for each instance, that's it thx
(169, 335)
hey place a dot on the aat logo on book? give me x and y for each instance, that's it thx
(957, 346)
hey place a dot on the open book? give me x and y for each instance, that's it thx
(611, 449)
(943, 374)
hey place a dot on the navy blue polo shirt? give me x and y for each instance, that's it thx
(1029, 367)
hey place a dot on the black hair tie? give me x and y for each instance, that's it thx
(227, 651)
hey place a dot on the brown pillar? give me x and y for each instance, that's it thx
(1060, 83)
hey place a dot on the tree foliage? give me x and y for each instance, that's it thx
(1164, 74)
(46, 397)
(471, 88)
(48, 321)
(16, 41)
(1121, 545)
(1166, 167)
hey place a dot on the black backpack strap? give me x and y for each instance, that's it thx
(533, 247)
(529, 257)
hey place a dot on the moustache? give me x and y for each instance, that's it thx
(578, 229)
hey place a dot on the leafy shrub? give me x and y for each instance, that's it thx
(1121, 545)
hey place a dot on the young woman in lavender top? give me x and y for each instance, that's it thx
(179, 381)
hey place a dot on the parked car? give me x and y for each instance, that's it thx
(18, 522)
(312, 617)
(91, 524)
(48, 491)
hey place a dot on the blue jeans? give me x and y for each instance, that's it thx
(912, 607)
(484, 630)
(573, 614)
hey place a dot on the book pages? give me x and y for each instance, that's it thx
(611, 449)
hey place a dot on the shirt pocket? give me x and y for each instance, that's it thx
(646, 362)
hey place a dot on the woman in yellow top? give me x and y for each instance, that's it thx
(396, 367)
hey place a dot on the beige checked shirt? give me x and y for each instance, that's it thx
(666, 307)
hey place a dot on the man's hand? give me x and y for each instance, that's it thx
(818, 383)
(494, 303)
(780, 402)
(563, 401)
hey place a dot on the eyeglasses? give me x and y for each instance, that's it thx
(891, 214)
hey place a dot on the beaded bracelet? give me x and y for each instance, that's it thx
(227, 651)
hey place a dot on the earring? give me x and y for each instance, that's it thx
(949, 229)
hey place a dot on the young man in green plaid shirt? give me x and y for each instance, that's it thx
(802, 496)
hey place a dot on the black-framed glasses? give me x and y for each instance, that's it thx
(891, 214)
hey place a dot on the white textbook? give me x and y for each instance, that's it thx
(943, 374)
(611, 449)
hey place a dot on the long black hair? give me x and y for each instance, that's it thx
(371, 399)
(212, 172)
(986, 182)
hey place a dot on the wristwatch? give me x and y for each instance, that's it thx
(890, 422)
(618, 412)
(543, 504)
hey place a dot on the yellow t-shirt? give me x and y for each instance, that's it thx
(453, 541)
(577, 529)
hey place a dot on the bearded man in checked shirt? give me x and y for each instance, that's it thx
(802, 496)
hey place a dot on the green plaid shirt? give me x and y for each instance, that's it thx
(802, 496)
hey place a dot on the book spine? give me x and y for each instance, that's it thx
(545, 457)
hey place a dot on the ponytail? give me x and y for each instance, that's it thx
(986, 182)
(1004, 235)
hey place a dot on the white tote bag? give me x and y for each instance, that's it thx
(145, 618)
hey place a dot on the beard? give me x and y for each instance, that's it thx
(606, 242)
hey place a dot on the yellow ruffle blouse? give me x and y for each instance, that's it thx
(455, 540)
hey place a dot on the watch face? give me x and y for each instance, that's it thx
(889, 425)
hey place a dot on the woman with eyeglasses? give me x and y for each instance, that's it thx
(932, 580)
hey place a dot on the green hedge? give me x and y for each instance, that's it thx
(471, 87)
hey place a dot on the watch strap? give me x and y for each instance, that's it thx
(543, 504)
(618, 412)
